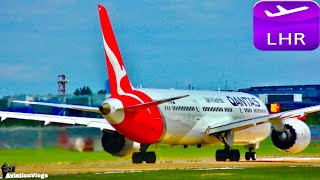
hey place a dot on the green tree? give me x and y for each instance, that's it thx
(77, 92)
(85, 90)
(101, 91)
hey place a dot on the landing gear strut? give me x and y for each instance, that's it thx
(251, 155)
(223, 155)
(143, 155)
(227, 139)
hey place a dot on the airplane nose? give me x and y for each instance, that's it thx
(105, 109)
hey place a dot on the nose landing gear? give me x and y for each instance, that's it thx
(251, 155)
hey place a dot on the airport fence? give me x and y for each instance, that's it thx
(31, 137)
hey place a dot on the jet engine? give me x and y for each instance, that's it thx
(294, 138)
(118, 145)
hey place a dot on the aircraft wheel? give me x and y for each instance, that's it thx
(150, 157)
(248, 156)
(221, 155)
(137, 158)
(234, 155)
(253, 156)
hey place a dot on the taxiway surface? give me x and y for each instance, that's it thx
(127, 166)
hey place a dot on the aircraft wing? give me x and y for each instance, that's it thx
(275, 119)
(89, 122)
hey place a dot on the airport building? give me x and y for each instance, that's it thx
(288, 97)
(309, 92)
(272, 98)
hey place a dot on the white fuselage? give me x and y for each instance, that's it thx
(187, 119)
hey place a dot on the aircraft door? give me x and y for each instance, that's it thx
(196, 115)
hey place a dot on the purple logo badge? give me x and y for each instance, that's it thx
(286, 25)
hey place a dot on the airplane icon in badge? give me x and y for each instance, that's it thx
(283, 11)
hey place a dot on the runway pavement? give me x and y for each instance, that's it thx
(127, 166)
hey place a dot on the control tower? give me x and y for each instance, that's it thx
(62, 81)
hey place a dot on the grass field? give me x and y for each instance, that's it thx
(267, 173)
(56, 157)
(164, 152)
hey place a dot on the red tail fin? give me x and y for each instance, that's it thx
(118, 78)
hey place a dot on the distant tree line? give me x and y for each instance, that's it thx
(101, 91)
(86, 90)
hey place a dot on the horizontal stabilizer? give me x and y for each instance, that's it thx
(153, 103)
(68, 106)
(100, 123)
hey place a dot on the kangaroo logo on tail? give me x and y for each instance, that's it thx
(119, 80)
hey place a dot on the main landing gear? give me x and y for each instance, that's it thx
(226, 153)
(234, 154)
(227, 138)
(143, 155)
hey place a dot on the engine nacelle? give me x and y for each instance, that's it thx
(118, 145)
(294, 138)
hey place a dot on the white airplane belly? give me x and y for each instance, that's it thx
(252, 135)
(181, 132)
(176, 128)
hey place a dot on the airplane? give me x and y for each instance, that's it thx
(283, 11)
(133, 119)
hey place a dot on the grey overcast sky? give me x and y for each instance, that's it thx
(164, 44)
